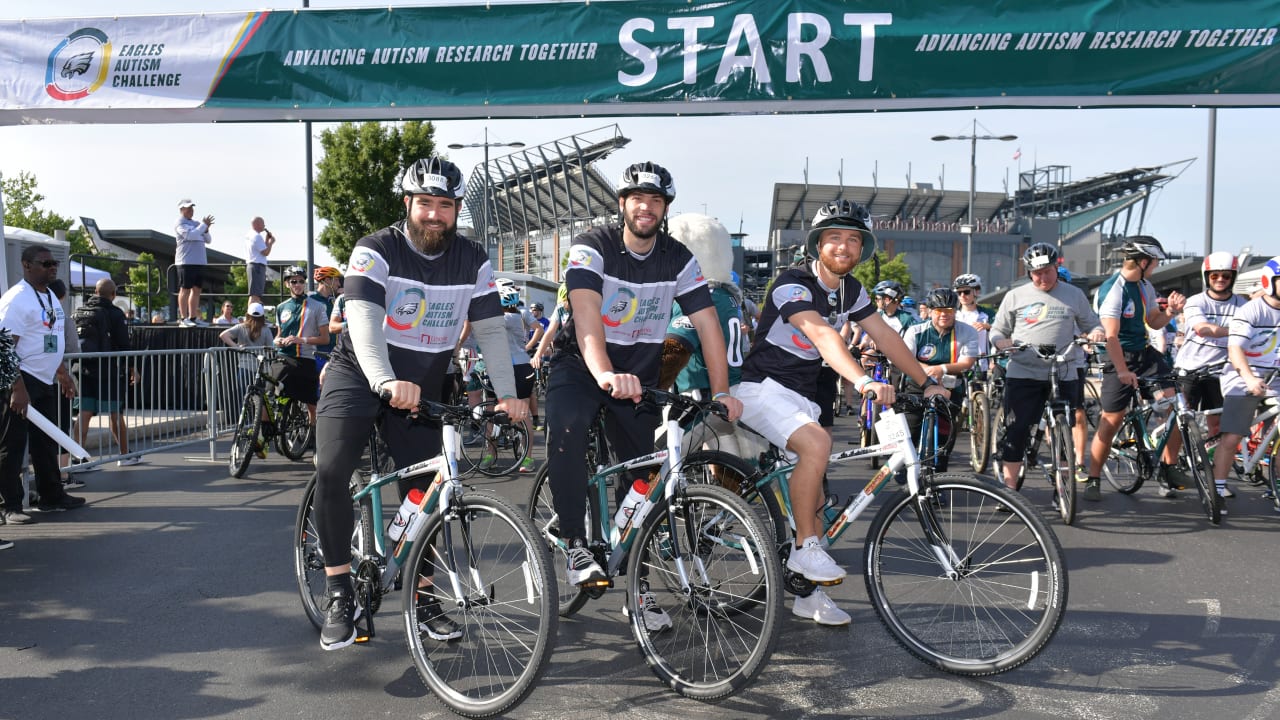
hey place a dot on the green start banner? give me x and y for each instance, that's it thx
(633, 58)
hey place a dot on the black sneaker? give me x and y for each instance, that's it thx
(1092, 490)
(66, 502)
(582, 564)
(339, 621)
(437, 625)
(5, 544)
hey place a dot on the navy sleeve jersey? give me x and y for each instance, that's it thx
(781, 351)
(636, 296)
(426, 299)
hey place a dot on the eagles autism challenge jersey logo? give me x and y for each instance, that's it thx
(78, 65)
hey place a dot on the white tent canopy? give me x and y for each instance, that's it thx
(80, 276)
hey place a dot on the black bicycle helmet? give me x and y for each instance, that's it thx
(433, 176)
(942, 297)
(841, 214)
(1140, 246)
(647, 177)
(1040, 255)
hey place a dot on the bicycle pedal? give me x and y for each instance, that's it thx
(362, 638)
(827, 583)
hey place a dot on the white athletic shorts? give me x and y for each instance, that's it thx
(775, 411)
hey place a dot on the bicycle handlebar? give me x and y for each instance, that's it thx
(449, 414)
(682, 403)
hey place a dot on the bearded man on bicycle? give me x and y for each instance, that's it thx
(622, 280)
(1126, 303)
(409, 289)
(798, 330)
(1045, 311)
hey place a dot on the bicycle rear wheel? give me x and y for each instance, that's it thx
(244, 442)
(1197, 457)
(509, 448)
(1272, 472)
(724, 626)
(1092, 404)
(308, 557)
(713, 467)
(1124, 466)
(499, 589)
(542, 513)
(1063, 471)
(295, 430)
(979, 431)
(1004, 601)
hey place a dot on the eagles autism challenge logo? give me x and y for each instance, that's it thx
(78, 65)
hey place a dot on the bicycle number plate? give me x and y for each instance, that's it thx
(890, 427)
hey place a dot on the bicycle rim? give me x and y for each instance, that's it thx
(1008, 600)
(1123, 468)
(723, 629)
(500, 593)
(1063, 471)
(247, 430)
(543, 515)
(295, 431)
(1193, 449)
(979, 432)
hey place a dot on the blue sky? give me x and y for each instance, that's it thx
(131, 176)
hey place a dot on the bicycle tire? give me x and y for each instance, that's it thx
(308, 556)
(1092, 404)
(512, 447)
(506, 606)
(542, 514)
(1063, 470)
(715, 467)
(725, 626)
(979, 432)
(294, 430)
(1012, 562)
(1194, 450)
(1123, 468)
(1273, 472)
(248, 428)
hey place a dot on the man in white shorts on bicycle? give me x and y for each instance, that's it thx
(797, 332)
(1252, 347)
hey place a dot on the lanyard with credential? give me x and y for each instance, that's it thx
(47, 314)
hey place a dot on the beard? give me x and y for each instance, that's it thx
(837, 267)
(429, 241)
(636, 231)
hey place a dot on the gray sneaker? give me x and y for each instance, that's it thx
(1093, 490)
(17, 517)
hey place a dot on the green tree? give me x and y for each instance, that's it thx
(22, 199)
(146, 287)
(895, 269)
(356, 181)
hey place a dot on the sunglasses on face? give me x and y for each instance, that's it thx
(297, 281)
(964, 292)
(1220, 275)
(944, 311)
(47, 263)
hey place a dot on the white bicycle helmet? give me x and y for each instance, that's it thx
(647, 177)
(967, 280)
(508, 293)
(1140, 246)
(1220, 261)
(1271, 277)
(1040, 255)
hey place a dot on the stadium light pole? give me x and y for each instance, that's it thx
(969, 227)
(488, 180)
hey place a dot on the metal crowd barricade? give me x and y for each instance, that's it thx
(179, 398)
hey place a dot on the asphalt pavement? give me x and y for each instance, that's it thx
(172, 595)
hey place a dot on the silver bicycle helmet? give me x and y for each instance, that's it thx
(1140, 246)
(433, 176)
(1040, 255)
(967, 280)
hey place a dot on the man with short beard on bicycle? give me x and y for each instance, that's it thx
(622, 280)
(1254, 335)
(409, 289)
(797, 332)
(1045, 311)
(1206, 318)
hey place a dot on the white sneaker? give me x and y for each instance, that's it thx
(126, 462)
(814, 563)
(1225, 491)
(820, 609)
(655, 618)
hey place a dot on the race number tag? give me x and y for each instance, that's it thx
(51, 343)
(890, 427)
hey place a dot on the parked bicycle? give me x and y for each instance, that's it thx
(468, 551)
(963, 573)
(698, 549)
(267, 416)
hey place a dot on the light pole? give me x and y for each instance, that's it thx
(488, 181)
(973, 139)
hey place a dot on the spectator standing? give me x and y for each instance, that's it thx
(260, 243)
(228, 315)
(191, 257)
(31, 313)
(101, 327)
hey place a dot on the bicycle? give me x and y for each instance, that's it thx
(977, 407)
(266, 413)
(471, 551)
(1136, 448)
(1259, 451)
(1056, 420)
(700, 550)
(489, 448)
(963, 573)
(870, 409)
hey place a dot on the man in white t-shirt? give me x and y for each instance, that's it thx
(260, 243)
(32, 314)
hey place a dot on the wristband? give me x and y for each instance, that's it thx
(862, 382)
(719, 395)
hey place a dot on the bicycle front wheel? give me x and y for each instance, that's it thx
(484, 568)
(295, 431)
(1002, 598)
(979, 431)
(1063, 471)
(244, 443)
(721, 623)
(1194, 449)
(1123, 468)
